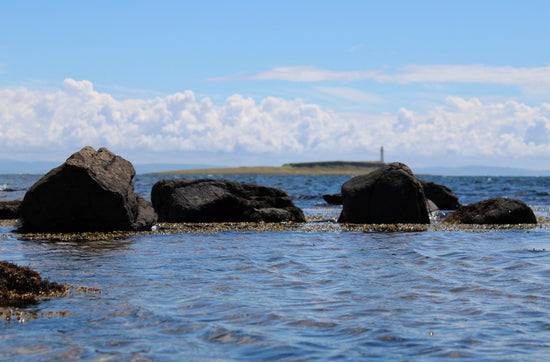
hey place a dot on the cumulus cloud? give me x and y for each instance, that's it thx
(76, 115)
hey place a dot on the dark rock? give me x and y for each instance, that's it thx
(497, 210)
(21, 286)
(441, 195)
(10, 209)
(91, 191)
(388, 195)
(207, 200)
(334, 199)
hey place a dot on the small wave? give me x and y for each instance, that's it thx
(6, 188)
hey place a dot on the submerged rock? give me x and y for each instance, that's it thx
(496, 210)
(10, 209)
(391, 194)
(91, 191)
(21, 286)
(207, 200)
(441, 195)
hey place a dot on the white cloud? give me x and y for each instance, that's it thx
(302, 73)
(45, 121)
(505, 75)
(468, 74)
(350, 94)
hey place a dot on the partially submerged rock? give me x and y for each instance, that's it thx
(10, 209)
(441, 195)
(333, 199)
(91, 191)
(208, 200)
(22, 286)
(496, 210)
(391, 194)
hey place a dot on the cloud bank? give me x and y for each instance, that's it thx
(66, 119)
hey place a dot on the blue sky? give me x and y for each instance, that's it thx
(437, 83)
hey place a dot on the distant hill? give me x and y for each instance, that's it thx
(8, 166)
(304, 168)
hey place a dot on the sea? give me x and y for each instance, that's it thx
(318, 291)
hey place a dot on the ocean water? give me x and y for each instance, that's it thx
(317, 292)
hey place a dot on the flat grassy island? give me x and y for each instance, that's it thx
(303, 168)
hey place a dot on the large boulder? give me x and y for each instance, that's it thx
(441, 195)
(208, 200)
(388, 195)
(91, 191)
(10, 209)
(497, 210)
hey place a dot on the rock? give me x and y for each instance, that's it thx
(10, 209)
(441, 195)
(334, 199)
(21, 286)
(497, 210)
(207, 200)
(91, 191)
(388, 195)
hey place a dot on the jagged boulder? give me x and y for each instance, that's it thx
(496, 210)
(391, 194)
(10, 209)
(441, 195)
(208, 200)
(91, 191)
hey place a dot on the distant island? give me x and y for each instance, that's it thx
(303, 168)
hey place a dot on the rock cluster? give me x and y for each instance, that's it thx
(93, 191)
(208, 200)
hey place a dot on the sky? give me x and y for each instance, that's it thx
(245, 83)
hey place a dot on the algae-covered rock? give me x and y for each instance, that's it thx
(21, 286)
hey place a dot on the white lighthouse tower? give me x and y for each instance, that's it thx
(382, 154)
